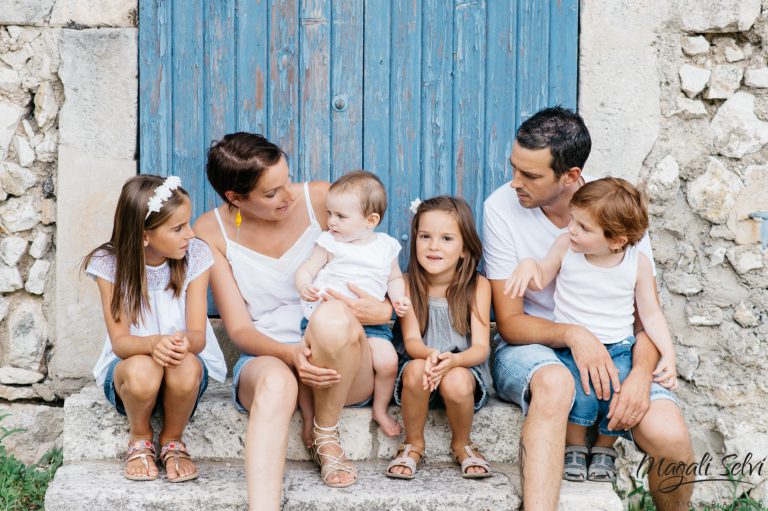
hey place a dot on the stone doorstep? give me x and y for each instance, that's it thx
(99, 485)
(93, 430)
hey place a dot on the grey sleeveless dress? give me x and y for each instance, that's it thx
(441, 336)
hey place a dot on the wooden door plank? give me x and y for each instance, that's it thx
(532, 58)
(283, 79)
(563, 53)
(252, 43)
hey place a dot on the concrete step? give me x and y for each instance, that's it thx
(93, 430)
(99, 485)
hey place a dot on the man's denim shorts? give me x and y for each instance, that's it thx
(514, 367)
(111, 393)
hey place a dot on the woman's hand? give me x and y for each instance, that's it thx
(309, 374)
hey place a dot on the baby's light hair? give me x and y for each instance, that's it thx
(368, 188)
(618, 207)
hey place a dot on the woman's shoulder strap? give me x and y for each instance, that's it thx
(308, 200)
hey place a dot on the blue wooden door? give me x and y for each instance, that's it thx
(425, 93)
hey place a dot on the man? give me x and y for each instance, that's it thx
(522, 219)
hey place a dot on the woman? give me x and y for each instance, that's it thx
(259, 237)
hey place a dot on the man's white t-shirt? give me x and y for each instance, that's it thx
(511, 233)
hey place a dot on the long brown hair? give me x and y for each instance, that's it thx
(461, 293)
(127, 246)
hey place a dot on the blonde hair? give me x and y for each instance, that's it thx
(367, 187)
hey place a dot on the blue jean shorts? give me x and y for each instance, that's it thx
(514, 367)
(111, 393)
(435, 399)
(588, 409)
(377, 331)
(244, 359)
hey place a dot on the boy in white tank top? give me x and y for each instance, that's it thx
(350, 251)
(600, 274)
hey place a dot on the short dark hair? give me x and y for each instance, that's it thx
(562, 131)
(237, 162)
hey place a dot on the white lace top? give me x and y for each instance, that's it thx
(166, 314)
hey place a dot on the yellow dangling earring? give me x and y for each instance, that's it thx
(238, 221)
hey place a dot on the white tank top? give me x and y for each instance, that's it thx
(599, 299)
(267, 284)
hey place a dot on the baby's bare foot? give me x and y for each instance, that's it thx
(388, 425)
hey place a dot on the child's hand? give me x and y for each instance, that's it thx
(402, 305)
(163, 351)
(520, 279)
(666, 373)
(445, 362)
(180, 345)
(426, 379)
(309, 293)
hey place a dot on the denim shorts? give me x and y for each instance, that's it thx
(435, 399)
(244, 359)
(111, 393)
(377, 331)
(588, 409)
(514, 367)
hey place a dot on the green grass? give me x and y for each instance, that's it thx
(23, 487)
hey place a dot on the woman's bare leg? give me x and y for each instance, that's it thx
(337, 341)
(267, 388)
(137, 383)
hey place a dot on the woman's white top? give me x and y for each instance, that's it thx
(165, 315)
(267, 284)
(368, 266)
(600, 299)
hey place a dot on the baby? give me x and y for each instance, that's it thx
(350, 251)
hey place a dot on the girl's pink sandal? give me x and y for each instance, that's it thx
(138, 450)
(176, 450)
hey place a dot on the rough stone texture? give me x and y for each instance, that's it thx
(754, 198)
(11, 249)
(718, 15)
(37, 276)
(10, 115)
(689, 108)
(4, 307)
(713, 194)
(46, 106)
(693, 79)
(737, 129)
(744, 315)
(703, 314)
(756, 77)
(664, 181)
(10, 279)
(97, 131)
(25, 12)
(111, 13)
(28, 334)
(694, 45)
(16, 179)
(745, 258)
(620, 34)
(682, 282)
(724, 82)
(41, 430)
(40, 245)
(19, 214)
(16, 376)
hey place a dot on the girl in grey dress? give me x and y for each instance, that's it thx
(445, 335)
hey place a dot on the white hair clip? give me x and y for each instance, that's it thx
(162, 194)
(415, 203)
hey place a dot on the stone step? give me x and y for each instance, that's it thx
(99, 485)
(93, 430)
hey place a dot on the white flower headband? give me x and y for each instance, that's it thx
(415, 203)
(162, 194)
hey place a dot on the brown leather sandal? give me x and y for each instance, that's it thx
(406, 461)
(472, 461)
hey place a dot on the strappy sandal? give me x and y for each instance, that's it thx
(329, 463)
(137, 450)
(575, 468)
(472, 461)
(602, 465)
(406, 461)
(176, 450)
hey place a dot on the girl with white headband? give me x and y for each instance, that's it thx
(160, 348)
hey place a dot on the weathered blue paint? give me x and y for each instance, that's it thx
(432, 90)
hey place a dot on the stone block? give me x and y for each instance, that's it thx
(693, 79)
(40, 244)
(10, 82)
(4, 307)
(689, 108)
(10, 279)
(37, 277)
(16, 376)
(744, 315)
(19, 214)
(725, 81)
(16, 179)
(11, 249)
(682, 282)
(664, 180)
(745, 258)
(718, 16)
(41, 430)
(753, 198)
(10, 115)
(99, 66)
(703, 314)
(756, 77)
(27, 334)
(694, 45)
(111, 13)
(79, 343)
(713, 194)
(46, 105)
(737, 130)
(26, 12)
(24, 152)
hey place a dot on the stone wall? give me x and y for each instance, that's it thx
(680, 102)
(58, 164)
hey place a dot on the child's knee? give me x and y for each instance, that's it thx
(186, 376)
(457, 386)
